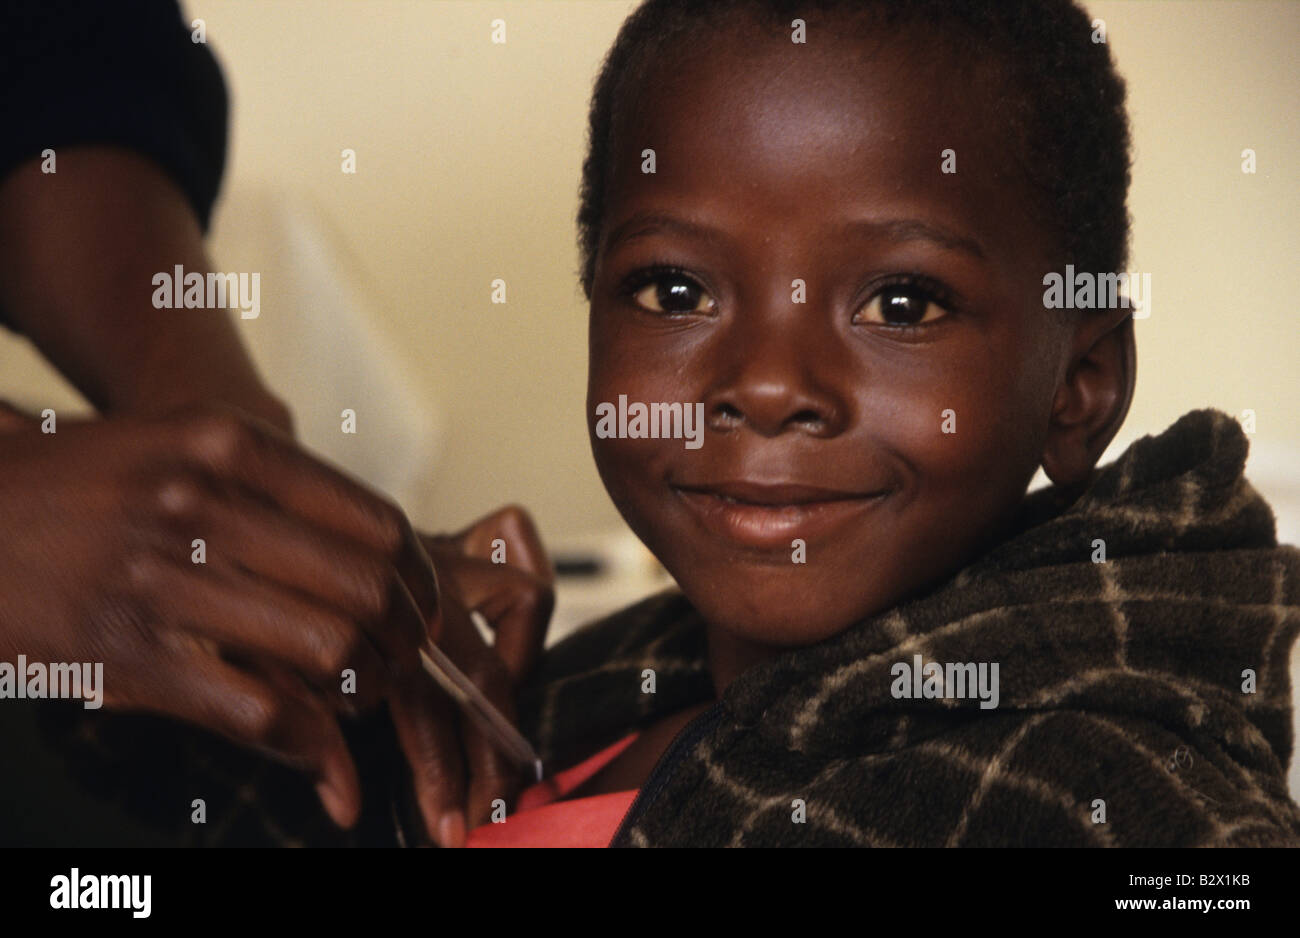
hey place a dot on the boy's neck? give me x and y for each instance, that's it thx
(729, 656)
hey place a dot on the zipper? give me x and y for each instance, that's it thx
(686, 737)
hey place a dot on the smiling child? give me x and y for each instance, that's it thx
(830, 224)
(824, 369)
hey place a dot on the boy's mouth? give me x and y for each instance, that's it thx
(771, 515)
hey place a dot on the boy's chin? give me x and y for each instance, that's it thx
(774, 612)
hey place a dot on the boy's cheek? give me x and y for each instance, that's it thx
(632, 472)
(970, 421)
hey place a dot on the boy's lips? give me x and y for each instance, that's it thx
(771, 515)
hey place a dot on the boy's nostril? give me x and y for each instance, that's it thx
(727, 415)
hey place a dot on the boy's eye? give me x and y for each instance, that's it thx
(901, 304)
(673, 294)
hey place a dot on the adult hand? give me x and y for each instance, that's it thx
(305, 573)
(498, 568)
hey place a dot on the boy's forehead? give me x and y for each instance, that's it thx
(841, 126)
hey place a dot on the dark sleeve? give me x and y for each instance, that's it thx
(124, 72)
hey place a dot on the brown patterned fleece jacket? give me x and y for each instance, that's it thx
(1142, 701)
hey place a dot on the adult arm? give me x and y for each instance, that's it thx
(78, 251)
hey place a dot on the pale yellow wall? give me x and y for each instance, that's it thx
(469, 156)
(1207, 80)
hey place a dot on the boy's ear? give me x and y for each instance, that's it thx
(1094, 398)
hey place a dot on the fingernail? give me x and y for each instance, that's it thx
(451, 829)
(332, 801)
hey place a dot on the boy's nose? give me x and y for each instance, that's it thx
(774, 381)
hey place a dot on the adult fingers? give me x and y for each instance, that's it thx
(348, 578)
(426, 724)
(267, 462)
(256, 617)
(501, 570)
(516, 605)
(508, 531)
(491, 774)
(194, 685)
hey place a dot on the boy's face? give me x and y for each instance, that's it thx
(824, 419)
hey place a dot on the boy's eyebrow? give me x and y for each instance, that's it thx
(642, 224)
(912, 229)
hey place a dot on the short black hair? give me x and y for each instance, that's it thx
(1065, 103)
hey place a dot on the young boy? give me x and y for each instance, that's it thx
(831, 224)
(824, 230)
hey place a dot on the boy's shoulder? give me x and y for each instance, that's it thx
(663, 624)
(1057, 779)
(616, 674)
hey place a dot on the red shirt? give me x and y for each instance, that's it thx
(540, 819)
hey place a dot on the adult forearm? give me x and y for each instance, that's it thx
(78, 252)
